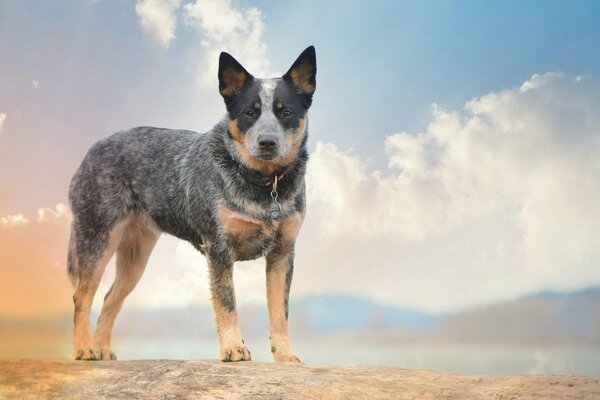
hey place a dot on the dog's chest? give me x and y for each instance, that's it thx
(249, 238)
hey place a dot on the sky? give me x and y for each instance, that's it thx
(454, 144)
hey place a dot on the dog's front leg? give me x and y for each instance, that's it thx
(223, 298)
(280, 268)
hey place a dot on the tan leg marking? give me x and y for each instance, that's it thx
(289, 228)
(232, 347)
(87, 285)
(279, 275)
(265, 167)
(138, 239)
(240, 229)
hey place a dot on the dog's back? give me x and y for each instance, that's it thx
(147, 170)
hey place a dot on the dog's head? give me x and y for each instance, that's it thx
(267, 117)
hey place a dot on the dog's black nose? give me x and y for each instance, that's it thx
(267, 142)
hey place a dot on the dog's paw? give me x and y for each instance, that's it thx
(284, 357)
(87, 355)
(106, 354)
(235, 353)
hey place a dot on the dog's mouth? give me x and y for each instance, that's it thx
(266, 156)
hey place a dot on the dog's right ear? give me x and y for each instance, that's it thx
(232, 77)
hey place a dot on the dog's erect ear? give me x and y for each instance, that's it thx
(232, 77)
(302, 74)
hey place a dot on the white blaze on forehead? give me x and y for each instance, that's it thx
(267, 123)
(267, 92)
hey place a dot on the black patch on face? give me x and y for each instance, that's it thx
(242, 107)
(293, 105)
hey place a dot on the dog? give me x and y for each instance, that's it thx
(235, 193)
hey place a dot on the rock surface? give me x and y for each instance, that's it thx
(162, 379)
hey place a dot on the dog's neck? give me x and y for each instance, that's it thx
(258, 179)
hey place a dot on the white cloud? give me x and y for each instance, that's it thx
(35, 84)
(489, 202)
(553, 361)
(225, 28)
(13, 220)
(185, 280)
(60, 212)
(158, 19)
(3, 117)
(177, 280)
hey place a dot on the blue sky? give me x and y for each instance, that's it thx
(381, 64)
(436, 203)
(394, 58)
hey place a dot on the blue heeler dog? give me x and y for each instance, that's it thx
(236, 192)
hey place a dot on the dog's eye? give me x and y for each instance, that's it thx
(250, 113)
(286, 113)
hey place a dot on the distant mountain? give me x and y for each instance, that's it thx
(545, 317)
(312, 314)
(349, 313)
(542, 318)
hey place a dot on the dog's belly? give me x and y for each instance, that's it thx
(249, 238)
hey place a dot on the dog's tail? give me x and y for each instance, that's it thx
(72, 260)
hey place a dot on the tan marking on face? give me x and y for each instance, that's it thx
(234, 81)
(267, 167)
(300, 77)
(236, 134)
(295, 141)
(279, 105)
(257, 105)
(239, 141)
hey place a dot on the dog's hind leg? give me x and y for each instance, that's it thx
(90, 269)
(138, 240)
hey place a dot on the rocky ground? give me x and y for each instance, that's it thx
(162, 379)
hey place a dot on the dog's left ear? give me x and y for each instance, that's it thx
(302, 74)
(232, 77)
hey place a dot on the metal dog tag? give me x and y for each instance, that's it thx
(274, 206)
(275, 209)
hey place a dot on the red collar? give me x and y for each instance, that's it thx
(279, 174)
